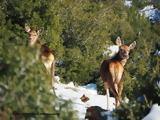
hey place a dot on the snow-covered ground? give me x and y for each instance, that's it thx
(153, 14)
(74, 93)
(154, 113)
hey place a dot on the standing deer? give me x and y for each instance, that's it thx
(111, 71)
(43, 51)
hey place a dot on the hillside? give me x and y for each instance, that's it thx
(73, 37)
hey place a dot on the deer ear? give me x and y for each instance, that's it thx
(118, 41)
(27, 28)
(38, 32)
(132, 45)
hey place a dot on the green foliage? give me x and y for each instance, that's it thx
(139, 69)
(78, 31)
(132, 111)
(25, 85)
(140, 3)
(100, 87)
(88, 26)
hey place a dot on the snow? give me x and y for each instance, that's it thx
(128, 3)
(154, 113)
(158, 84)
(148, 11)
(91, 88)
(111, 51)
(152, 13)
(74, 93)
(157, 53)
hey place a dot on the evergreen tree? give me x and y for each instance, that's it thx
(78, 31)
(24, 83)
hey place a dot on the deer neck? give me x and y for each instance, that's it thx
(38, 42)
(123, 62)
(34, 43)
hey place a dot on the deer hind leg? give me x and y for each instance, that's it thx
(114, 90)
(120, 86)
(117, 97)
(119, 89)
(117, 101)
(107, 93)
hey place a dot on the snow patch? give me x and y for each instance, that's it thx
(157, 53)
(152, 13)
(111, 51)
(128, 3)
(154, 113)
(92, 88)
(74, 93)
(158, 84)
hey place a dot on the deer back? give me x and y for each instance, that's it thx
(111, 71)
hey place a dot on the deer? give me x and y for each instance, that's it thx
(44, 53)
(111, 71)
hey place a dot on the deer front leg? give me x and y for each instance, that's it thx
(53, 73)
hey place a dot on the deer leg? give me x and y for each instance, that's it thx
(116, 97)
(119, 89)
(120, 86)
(117, 101)
(116, 88)
(114, 91)
(107, 93)
(117, 94)
(53, 72)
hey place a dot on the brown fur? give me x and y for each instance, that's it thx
(111, 71)
(95, 113)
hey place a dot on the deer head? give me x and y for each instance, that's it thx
(43, 51)
(124, 49)
(33, 35)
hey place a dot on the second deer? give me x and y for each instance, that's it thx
(111, 71)
(43, 51)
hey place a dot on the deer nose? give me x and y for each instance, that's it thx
(30, 37)
(126, 56)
